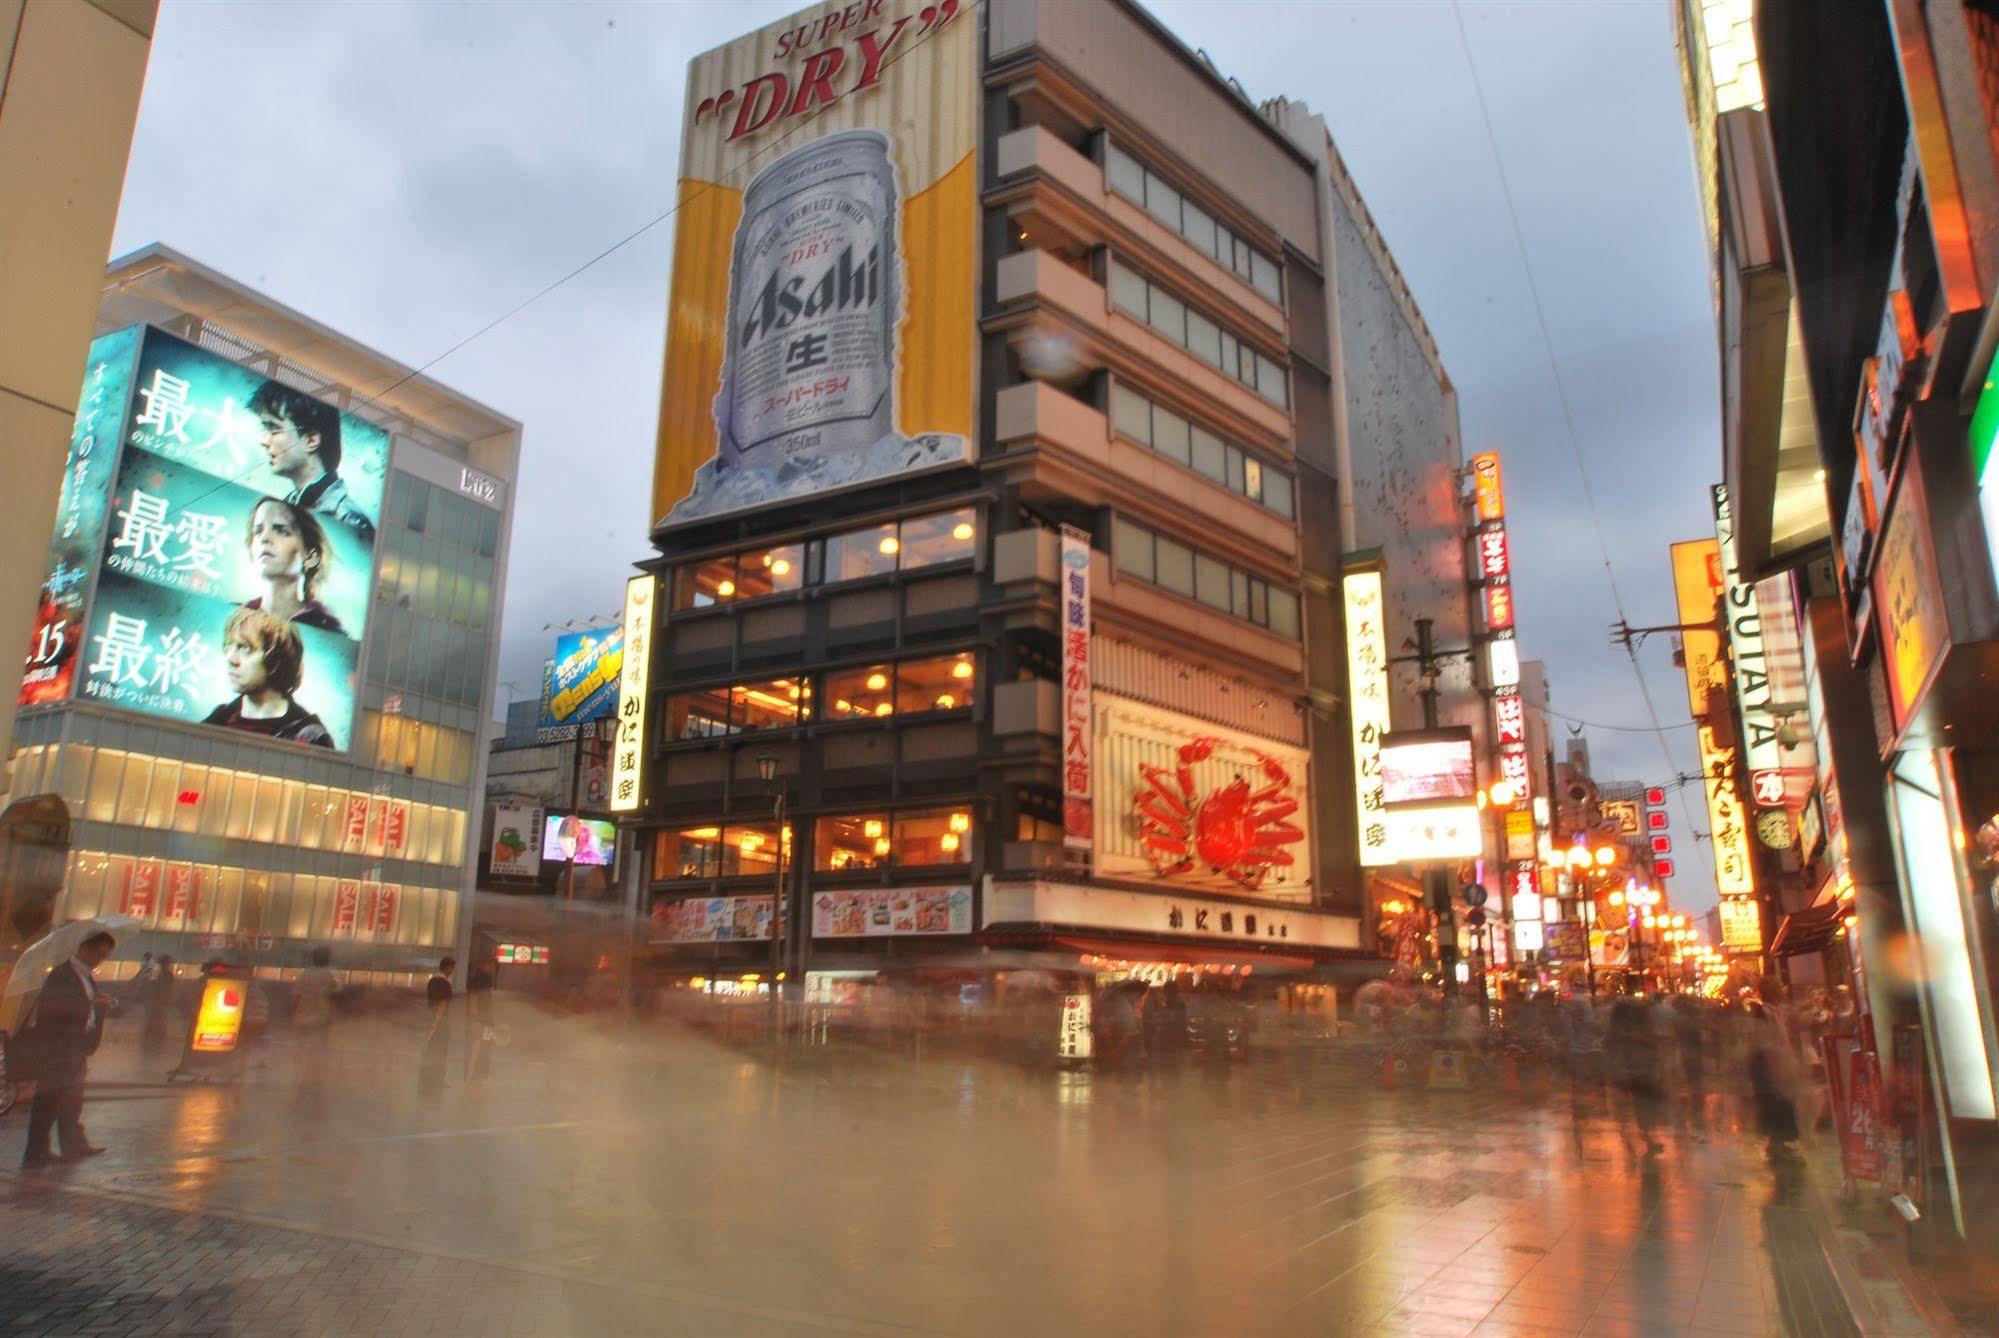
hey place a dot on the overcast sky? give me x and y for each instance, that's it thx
(405, 173)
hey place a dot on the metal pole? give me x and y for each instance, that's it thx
(1436, 884)
(777, 913)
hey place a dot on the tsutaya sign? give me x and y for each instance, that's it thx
(824, 324)
(1367, 679)
(1762, 754)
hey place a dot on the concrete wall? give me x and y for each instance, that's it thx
(70, 75)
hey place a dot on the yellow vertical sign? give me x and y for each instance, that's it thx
(1696, 586)
(1733, 875)
(1367, 684)
(628, 754)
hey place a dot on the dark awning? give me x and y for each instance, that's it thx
(1809, 930)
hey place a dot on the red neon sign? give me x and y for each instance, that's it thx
(1498, 607)
(1494, 559)
(1662, 868)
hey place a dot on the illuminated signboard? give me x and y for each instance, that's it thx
(1914, 630)
(568, 838)
(1503, 662)
(218, 1020)
(1525, 892)
(1733, 874)
(1494, 561)
(1367, 682)
(516, 853)
(1427, 766)
(634, 669)
(1621, 816)
(1439, 833)
(1742, 610)
(1510, 714)
(1498, 607)
(1696, 586)
(1488, 492)
(1741, 925)
(227, 558)
(1513, 769)
(581, 683)
(825, 263)
(1078, 810)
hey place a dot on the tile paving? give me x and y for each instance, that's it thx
(653, 1182)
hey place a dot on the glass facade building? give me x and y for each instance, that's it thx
(223, 843)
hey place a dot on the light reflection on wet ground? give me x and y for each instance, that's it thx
(1285, 1195)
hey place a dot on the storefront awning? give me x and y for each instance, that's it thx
(1808, 930)
(1187, 953)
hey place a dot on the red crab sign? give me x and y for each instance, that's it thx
(1238, 831)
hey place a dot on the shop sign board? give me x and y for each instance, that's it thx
(516, 851)
(1610, 947)
(1070, 905)
(1509, 712)
(1488, 488)
(1697, 585)
(1622, 817)
(1727, 825)
(1075, 1040)
(1743, 616)
(1444, 832)
(710, 919)
(882, 912)
(1914, 630)
(1427, 766)
(142, 888)
(1503, 661)
(1519, 834)
(1514, 771)
(1741, 925)
(1367, 683)
(825, 264)
(1565, 941)
(634, 674)
(1498, 608)
(1495, 562)
(218, 1019)
(1078, 765)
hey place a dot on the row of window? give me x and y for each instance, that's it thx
(874, 550)
(842, 843)
(174, 897)
(392, 742)
(934, 683)
(1185, 571)
(1141, 299)
(1145, 188)
(1189, 444)
(166, 794)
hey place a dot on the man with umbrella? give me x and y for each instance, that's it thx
(68, 1024)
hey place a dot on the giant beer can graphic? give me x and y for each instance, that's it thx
(807, 394)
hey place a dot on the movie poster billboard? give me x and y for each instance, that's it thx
(822, 325)
(81, 506)
(581, 683)
(238, 551)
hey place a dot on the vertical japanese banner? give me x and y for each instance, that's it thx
(346, 905)
(634, 670)
(1729, 831)
(1078, 819)
(81, 508)
(142, 888)
(1367, 687)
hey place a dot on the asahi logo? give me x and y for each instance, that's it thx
(845, 283)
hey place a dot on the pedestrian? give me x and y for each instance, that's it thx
(156, 998)
(437, 1041)
(65, 1031)
(312, 1013)
(1690, 1040)
(1773, 1082)
(1633, 1044)
(256, 1022)
(482, 1035)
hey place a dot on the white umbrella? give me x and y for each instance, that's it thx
(58, 945)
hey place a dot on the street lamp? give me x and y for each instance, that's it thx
(767, 773)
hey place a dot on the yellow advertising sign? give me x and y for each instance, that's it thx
(1367, 680)
(1733, 874)
(218, 1022)
(1741, 925)
(1487, 487)
(628, 752)
(1696, 585)
(822, 327)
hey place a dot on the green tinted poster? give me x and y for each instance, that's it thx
(80, 512)
(239, 553)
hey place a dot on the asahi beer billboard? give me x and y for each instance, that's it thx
(821, 329)
(215, 549)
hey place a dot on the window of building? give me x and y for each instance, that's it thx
(776, 704)
(852, 842)
(771, 571)
(1147, 189)
(1141, 299)
(1138, 418)
(854, 693)
(698, 715)
(858, 554)
(706, 583)
(944, 683)
(933, 837)
(945, 537)
(744, 851)
(1221, 586)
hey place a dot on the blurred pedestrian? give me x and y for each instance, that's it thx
(1690, 1043)
(156, 1000)
(481, 1035)
(64, 1032)
(1633, 1048)
(1773, 1082)
(312, 1013)
(256, 1036)
(437, 1041)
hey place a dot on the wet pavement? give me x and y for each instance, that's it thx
(655, 1181)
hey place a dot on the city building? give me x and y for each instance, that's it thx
(256, 696)
(69, 94)
(1852, 200)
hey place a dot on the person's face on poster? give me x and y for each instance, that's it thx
(289, 450)
(277, 550)
(244, 665)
